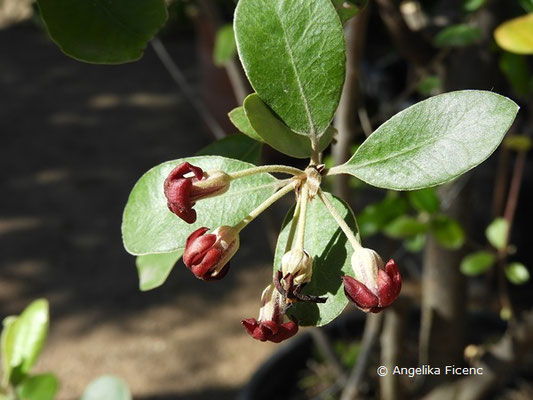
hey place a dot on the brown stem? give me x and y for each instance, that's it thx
(500, 184)
(323, 344)
(345, 120)
(508, 215)
(370, 334)
(412, 46)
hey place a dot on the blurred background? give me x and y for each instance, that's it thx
(76, 137)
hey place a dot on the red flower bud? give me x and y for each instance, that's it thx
(208, 255)
(375, 286)
(270, 324)
(182, 192)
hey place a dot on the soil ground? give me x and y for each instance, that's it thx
(75, 138)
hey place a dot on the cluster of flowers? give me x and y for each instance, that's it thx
(207, 256)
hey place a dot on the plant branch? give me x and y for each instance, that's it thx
(370, 335)
(178, 78)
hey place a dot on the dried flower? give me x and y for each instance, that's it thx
(208, 255)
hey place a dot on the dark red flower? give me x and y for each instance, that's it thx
(208, 255)
(376, 286)
(271, 325)
(182, 192)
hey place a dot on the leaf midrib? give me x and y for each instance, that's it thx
(312, 127)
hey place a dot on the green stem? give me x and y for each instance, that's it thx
(341, 222)
(294, 223)
(304, 200)
(284, 169)
(263, 206)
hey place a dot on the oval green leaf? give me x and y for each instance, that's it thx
(103, 31)
(517, 273)
(405, 227)
(153, 269)
(38, 387)
(477, 263)
(376, 216)
(238, 118)
(23, 340)
(331, 253)
(434, 141)
(294, 56)
(276, 134)
(516, 35)
(225, 47)
(457, 36)
(239, 147)
(425, 200)
(107, 388)
(496, 233)
(149, 227)
(448, 232)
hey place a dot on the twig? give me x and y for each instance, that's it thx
(323, 344)
(178, 77)
(370, 334)
(508, 215)
(392, 339)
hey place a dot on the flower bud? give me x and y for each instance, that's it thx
(208, 255)
(272, 324)
(182, 192)
(299, 264)
(375, 286)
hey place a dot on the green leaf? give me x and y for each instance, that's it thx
(416, 243)
(238, 147)
(276, 134)
(348, 8)
(107, 388)
(376, 216)
(103, 31)
(153, 269)
(516, 71)
(496, 233)
(518, 142)
(23, 339)
(238, 117)
(517, 273)
(473, 5)
(434, 141)
(448, 232)
(424, 200)
(331, 253)
(225, 46)
(404, 227)
(516, 35)
(149, 227)
(527, 5)
(429, 85)
(460, 35)
(477, 263)
(38, 387)
(294, 56)
(6, 350)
